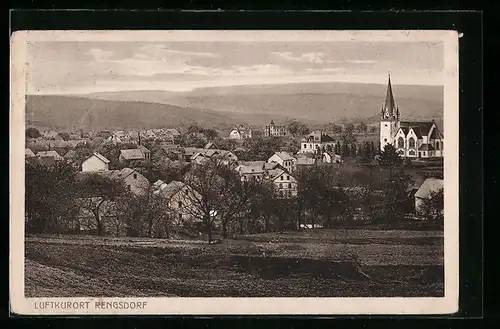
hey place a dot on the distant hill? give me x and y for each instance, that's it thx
(310, 102)
(68, 112)
(76, 112)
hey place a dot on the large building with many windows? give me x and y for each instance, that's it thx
(412, 139)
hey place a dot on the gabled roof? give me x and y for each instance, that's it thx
(170, 189)
(436, 134)
(428, 186)
(209, 145)
(285, 156)
(389, 104)
(28, 152)
(52, 154)
(70, 154)
(275, 173)
(101, 157)
(143, 149)
(424, 126)
(426, 147)
(132, 154)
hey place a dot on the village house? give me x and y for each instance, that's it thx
(50, 134)
(285, 183)
(305, 160)
(257, 170)
(179, 198)
(273, 130)
(133, 156)
(285, 160)
(240, 133)
(96, 162)
(194, 153)
(49, 154)
(415, 139)
(317, 141)
(119, 136)
(429, 186)
(331, 157)
(28, 153)
(147, 134)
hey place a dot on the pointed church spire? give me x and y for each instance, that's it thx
(390, 104)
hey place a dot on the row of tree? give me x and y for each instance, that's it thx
(220, 203)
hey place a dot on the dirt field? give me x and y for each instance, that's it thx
(300, 264)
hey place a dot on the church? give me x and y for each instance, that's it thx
(412, 139)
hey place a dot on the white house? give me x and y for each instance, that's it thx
(415, 139)
(317, 141)
(285, 160)
(273, 130)
(285, 183)
(423, 193)
(179, 198)
(96, 162)
(240, 133)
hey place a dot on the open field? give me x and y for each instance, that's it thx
(293, 264)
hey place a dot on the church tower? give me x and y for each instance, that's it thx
(389, 118)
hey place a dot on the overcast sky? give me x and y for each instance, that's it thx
(84, 67)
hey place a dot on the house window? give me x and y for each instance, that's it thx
(305, 146)
(282, 177)
(411, 142)
(135, 176)
(401, 142)
(289, 185)
(287, 177)
(437, 146)
(281, 185)
(180, 204)
(385, 140)
(385, 125)
(258, 176)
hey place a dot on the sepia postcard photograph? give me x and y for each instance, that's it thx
(234, 172)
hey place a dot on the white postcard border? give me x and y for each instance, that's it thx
(19, 304)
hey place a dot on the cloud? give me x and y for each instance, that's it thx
(314, 58)
(155, 51)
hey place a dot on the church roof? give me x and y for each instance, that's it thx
(426, 147)
(436, 134)
(423, 126)
(389, 104)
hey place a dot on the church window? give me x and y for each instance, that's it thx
(385, 125)
(401, 142)
(412, 142)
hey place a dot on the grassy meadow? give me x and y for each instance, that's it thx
(312, 263)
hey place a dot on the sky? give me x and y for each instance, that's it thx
(79, 67)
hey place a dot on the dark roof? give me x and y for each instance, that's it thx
(424, 126)
(132, 154)
(436, 134)
(318, 136)
(426, 147)
(405, 130)
(389, 104)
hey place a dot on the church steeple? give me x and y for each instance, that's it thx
(389, 110)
